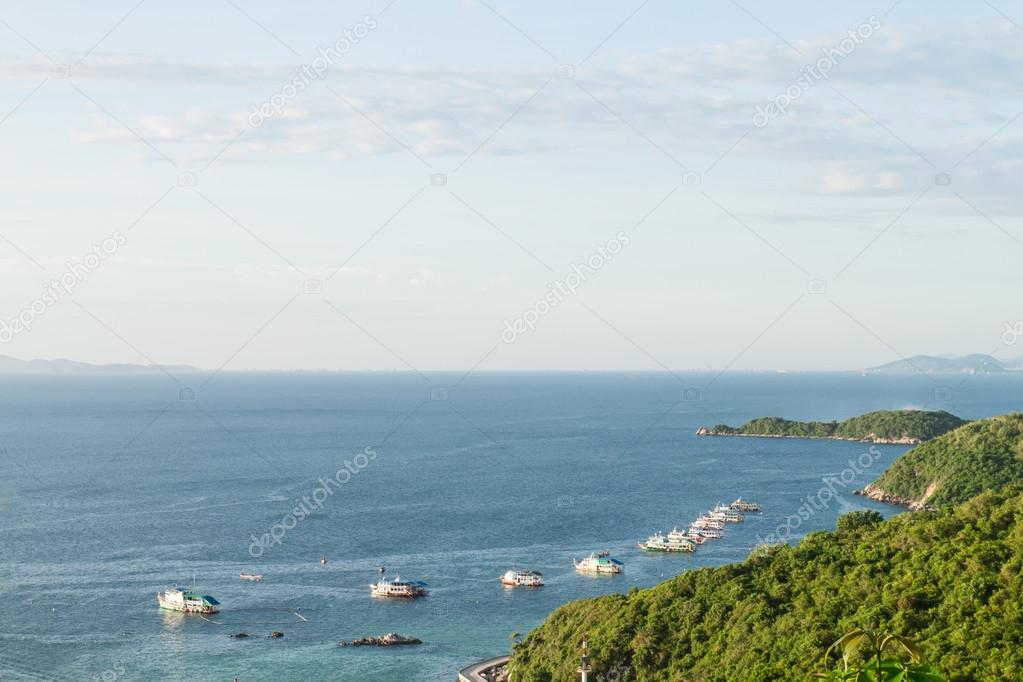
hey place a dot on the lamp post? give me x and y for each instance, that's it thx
(584, 667)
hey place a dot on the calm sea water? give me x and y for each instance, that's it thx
(114, 487)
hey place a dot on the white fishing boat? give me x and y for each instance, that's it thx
(522, 579)
(250, 576)
(398, 588)
(186, 601)
(745, 506)
(596, 564)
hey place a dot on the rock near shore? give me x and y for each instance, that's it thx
(497, 674)
(390, 639)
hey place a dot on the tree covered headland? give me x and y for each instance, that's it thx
(883, 425)
(950, 580)
(980, 456)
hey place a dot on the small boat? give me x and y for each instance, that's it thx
(671, 543)
(398, 588)
(522, 579)
(250, 576)
(186, 601)
(597, 564)
(745, 506)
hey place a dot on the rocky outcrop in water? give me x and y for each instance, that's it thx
(390, 639)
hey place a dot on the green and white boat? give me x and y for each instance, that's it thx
(599, 564)
(673, 542)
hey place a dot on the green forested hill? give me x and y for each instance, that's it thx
(952, 580)
(883, 425)
(980, 456)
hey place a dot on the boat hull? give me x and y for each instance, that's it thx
(682, 549)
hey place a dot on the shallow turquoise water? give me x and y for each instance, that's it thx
(114, 487)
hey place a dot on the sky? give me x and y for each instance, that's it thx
(398, 185)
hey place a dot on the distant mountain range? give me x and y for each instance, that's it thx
(978, 363)
(9, 365)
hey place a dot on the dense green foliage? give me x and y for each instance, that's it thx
(881, 425)
(950, 580)
(982, 455)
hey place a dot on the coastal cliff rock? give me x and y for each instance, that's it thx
(390, 639)
(872, 492)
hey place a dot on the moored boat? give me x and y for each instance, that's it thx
(745, 506)
(398, 588)
(595, 564)
(708, 533)
(707, 522)
(522, 579)
(677, 535)
(186, 601)
(673, 542)
(726, 516)
(692, 535)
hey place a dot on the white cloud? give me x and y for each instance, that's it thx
(695, 100)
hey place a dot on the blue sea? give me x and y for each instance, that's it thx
(115, 487)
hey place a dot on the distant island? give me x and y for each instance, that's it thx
(902, 427)
(977, 363)
(9, 365)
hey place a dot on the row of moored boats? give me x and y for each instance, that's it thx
(708, 526)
